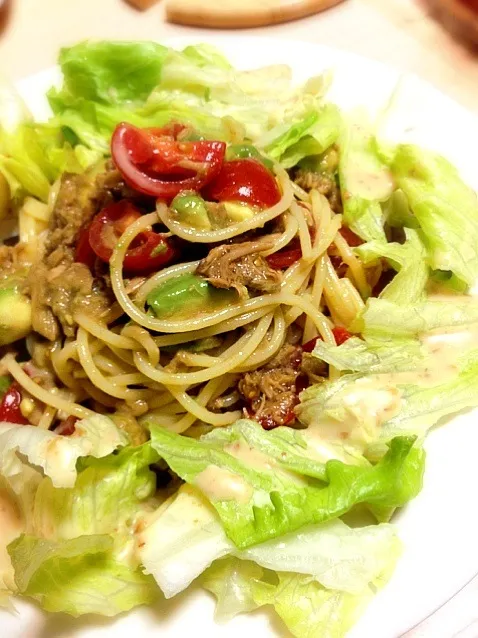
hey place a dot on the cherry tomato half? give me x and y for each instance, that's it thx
(150, 250)
(155, 163)
(245, 180)
(84, 253)
(10, 406)
(341, 336)
(285, 257)
(350, 237)
(67, 427)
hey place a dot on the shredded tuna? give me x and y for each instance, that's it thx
(241, 266)
(271, 391)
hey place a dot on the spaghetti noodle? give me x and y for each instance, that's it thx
(185, 369)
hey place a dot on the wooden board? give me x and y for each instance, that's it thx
(238, 14)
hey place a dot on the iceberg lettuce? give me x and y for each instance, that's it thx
(445, 207)
(256, 504)
(78, 576)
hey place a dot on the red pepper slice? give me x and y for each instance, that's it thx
(152, 250)
(155, 163)
(245, 180)
(341, 336)
(10, 406)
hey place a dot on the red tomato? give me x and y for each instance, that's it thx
(285, 257)
(152, 250)
(341, 336)
(10, 406)
(350, 237)
(155, 163)
(67, 427)
(245, 180)
(84, 253)
(268, 423)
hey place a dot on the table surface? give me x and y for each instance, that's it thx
(403, 33)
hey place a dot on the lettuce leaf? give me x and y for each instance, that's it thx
(112, 72)
(57, 455)
(422, 407)
(307, 608)
(78, 576)
(312, 135)
(150, 85)
(365, 180)
(107, 494)
(262, 504)
(384, 319)
(186, 536)
(230, 581)
(33, 155)
(418, 406)
(371, 356)
(87, 528)
(445, 207)
(181, 540)
(409, 259)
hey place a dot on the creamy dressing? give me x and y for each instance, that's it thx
(370, 184)
(251, 457)
(370, 402)
(219, 484)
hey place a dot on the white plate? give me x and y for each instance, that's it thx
(439, 527)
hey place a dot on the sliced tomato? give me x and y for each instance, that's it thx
(350, 237)
(154, 162)
(10, 406)
(285, 257)
(341, 336)
(245, 180)
(84, 253)
(67, 427)
(150, 250)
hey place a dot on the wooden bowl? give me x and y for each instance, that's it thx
(240, 14)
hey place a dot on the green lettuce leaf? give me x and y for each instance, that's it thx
(285, 447)
(78, 576)
(409, 259)
(313, 135)
(422, 407)
(149, 85)
(357, 404)
(384, 319)
(261, 504)
(90, 528)
(186, 536)
(306, 607)
(230, 581)
(57, 455)
(397, 211)
(445, 207)
(33, 155)
(365, 181)
(112, 72)
(108, 493)
(371, 356)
